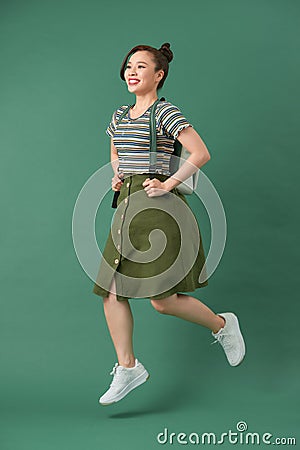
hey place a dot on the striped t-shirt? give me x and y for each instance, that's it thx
(131, 137)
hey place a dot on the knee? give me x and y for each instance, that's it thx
(161, 306)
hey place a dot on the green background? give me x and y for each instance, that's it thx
(235, 76)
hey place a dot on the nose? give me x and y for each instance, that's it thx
(132, 71)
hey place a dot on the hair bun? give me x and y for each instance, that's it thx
(166, 51)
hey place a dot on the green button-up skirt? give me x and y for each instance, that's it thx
(154, 247)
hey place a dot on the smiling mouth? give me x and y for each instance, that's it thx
(133, 82)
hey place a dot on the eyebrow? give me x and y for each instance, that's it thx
(138, 62)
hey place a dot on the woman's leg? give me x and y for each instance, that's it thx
(191, 309)
(120, 324)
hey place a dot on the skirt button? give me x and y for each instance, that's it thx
(116, 261)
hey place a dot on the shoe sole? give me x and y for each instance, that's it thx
(241, 341)
(132, 385)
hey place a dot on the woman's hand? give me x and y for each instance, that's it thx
(116, 183)
(154, 187)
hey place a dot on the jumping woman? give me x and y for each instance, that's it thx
(137, 262)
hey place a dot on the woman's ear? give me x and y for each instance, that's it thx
(160, 74)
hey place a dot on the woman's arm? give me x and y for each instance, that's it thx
(191, 140)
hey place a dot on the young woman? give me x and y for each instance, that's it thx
(144, 198)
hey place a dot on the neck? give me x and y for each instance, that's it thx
(143, 101)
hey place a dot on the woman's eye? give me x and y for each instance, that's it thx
(128, 67)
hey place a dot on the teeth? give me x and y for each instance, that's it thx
(133, 81)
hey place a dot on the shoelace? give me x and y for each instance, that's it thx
(115, 373)
(221, 338)
(114, 369)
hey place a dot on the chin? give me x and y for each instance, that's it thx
(132, 89)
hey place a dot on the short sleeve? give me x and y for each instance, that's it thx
(171, 121)
(110, 130)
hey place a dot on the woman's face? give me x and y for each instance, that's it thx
(140, 75)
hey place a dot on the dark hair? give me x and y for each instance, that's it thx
(161, 57)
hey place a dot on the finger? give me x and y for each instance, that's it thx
(149, 191)
(150, 184)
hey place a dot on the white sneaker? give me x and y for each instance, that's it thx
(125, 380)
(231, 339)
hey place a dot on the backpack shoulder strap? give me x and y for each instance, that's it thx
(153, 125)
(123, 114)
(177, 144)
(153, 136)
